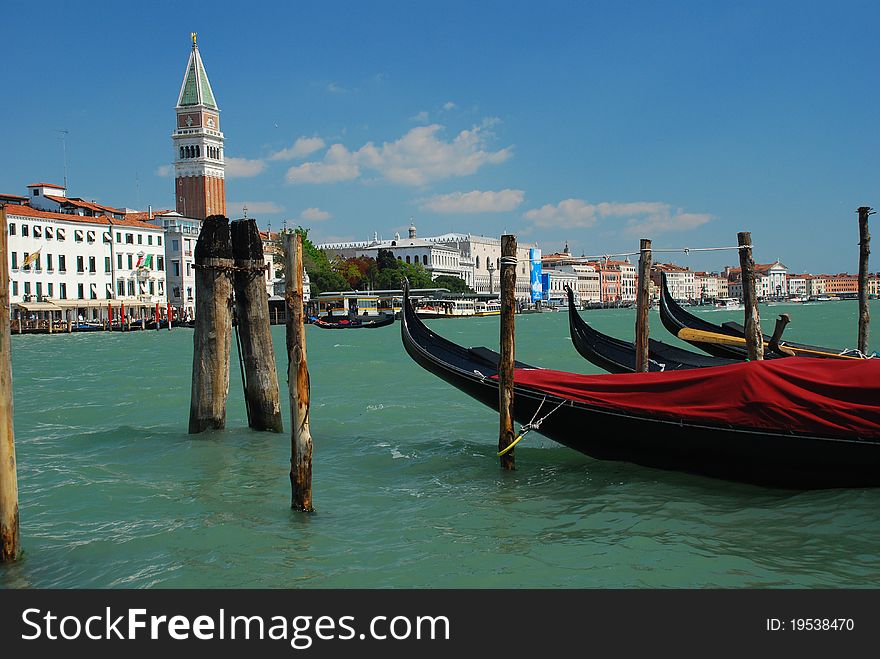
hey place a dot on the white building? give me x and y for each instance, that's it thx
(558, 280)
(587, 286)
(680, 281)
(82, 262)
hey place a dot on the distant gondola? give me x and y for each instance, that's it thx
(676, 319)
(618, 356)
(353, 322)
(791, 423)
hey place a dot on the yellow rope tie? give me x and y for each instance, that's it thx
(531, 425)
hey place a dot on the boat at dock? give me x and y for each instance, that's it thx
(431, 308)
(729, 303)
(487, 308)
(800, 423)
(353, 322)
(618, 356)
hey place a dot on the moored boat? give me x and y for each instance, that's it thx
(753, 422)
(431, 308)
(618, 356)
(352, 322)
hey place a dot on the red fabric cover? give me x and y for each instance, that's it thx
(816, 396)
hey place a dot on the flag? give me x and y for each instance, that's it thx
(30, 258)
(148, 261)
(140, 261)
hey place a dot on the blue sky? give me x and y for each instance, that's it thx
(596, 123)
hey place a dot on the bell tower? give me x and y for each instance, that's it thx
(199, 169)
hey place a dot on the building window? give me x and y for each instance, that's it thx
(50, 233)
(159, 240)
(175, 245)
(175, 265)
(92, 264)
(129, 239)
(160, 263)
(424, 259)
(38, 232)
(93, 293)
(49, 289)
(120, 287)
(27, 288)
(108, 291)
(140, 239)
(24, 230)
(49, 262)
(62, 291)
(161, 288)
(24, 261)
(118, 237)
(90, 236)
(60, 234)
(15, 288)
(119, 261)
(107, 263)
(14, 260)
(177, 291)
(79, 291)
(36, 193)
(11, 229)
(130, 262)
(188, 269)
(78, 235)
(62, 263)
(80, 266)
(152, 287)
(189, 293)
(131, 287)
(150, 239)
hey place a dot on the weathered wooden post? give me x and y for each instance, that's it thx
(643, 303)
(297, 377)
(252, 310)
(9, 526)
(508, 348)
(864, 253)
(754, 336)
(213, 326)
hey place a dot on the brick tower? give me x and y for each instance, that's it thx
(200, 188)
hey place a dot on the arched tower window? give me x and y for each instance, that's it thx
(181, 153)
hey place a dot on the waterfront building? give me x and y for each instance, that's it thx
(722, 285)
(816, 285)
(474, 259)
(841, 283)
(706, 286)
(771, 280)
(587, 286)
(78, 261)
(199, 163)
(797, 285)
(680, 280)
(557, 280)
(628, 278)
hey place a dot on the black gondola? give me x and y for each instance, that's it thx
(353, 322)
(762, 449)
(675, 319)
(618, 356)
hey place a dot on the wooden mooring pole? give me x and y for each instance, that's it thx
(9, 525)
(213, 326)
(643, 303)
(864, 253)
(254, 333)
(754, 336)
(297, 377)
(508, 349)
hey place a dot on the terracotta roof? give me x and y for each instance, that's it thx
(12, 196)
(27, 211)
(46, 185)
(82, 203)
(145, 215)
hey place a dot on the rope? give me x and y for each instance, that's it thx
(531, 425)
(232, 268)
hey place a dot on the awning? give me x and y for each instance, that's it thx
(37, 306)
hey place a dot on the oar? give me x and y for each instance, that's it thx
(700, 336)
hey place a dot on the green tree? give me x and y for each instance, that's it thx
(454, 284)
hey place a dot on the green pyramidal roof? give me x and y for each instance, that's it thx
(196, 90)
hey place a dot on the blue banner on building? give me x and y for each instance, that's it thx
(545, 286)
(535, 274)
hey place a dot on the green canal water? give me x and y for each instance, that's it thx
(115, 494)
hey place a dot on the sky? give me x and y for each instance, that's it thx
(588, 123)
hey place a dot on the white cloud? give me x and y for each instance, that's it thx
(255, 207)
(475, 201)
(415, 159)
(449, 105)
(164, 170)
(303, 147)
(338, 165)
(314, 215)
(335, 88)
(642, 218)
(420, 118)
(243, 168)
